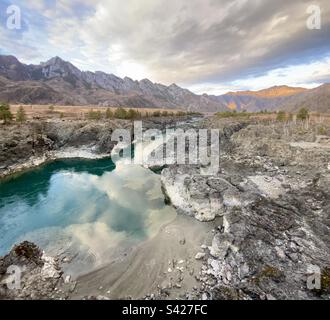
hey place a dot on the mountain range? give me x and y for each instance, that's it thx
(60, 82)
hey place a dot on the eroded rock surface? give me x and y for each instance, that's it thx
(28, 145)
(274, 197)
(27, 273)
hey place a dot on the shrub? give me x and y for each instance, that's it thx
(322, 131)
(5, 113)
(325, 283)
(20, 115)
(156, 114)
(165, 114)
(133, 114)
(194, 113)
(281, 116)
(109, 114)
(120, 113)
(269, 273)
(303, 114)
(230, 114)
(94, 115)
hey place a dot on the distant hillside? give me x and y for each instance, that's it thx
(60, 82)
(317, 99)
(273, 92)
(278, 98)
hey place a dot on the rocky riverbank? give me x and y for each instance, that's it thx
(33, 275)
(265, 216)
(272, 191)
(31, 144)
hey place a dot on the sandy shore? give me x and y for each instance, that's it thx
(165, 264)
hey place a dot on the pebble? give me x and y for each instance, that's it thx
(73, 287)
(183, 241)
(204, 296)
(228, 276)
(102, 298)
(280, 252)
(294, 257)
(200, 256)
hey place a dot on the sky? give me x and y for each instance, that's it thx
(207, 46)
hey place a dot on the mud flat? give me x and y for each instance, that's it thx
(163, 267)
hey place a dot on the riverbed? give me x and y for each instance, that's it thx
(86, 211)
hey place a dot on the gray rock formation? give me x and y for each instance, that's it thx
(27, 273)
(269, 201)
(272, 192)
(30, 144)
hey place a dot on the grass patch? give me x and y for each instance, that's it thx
(270, 273)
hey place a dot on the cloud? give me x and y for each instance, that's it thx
(195, 43)
(307, 75)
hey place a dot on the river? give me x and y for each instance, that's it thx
(85, 211)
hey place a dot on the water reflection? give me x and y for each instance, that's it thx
(30, 184)
(86, 210)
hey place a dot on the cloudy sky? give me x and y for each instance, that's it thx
(210, 46)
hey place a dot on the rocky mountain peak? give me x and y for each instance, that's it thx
(8, 60)
(57, 67)
(59, 81)
(12, 69)
(55, 61)
(146, 82)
